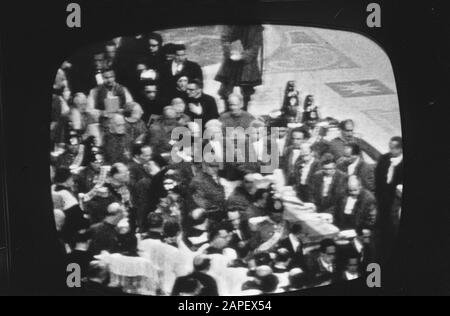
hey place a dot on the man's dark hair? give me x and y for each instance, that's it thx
(179, 47)
(296, 228)
(344, 123)
(269, 283)
(324, 244)
(113, 171)
(171, 229)
(355, 148)
(327, 159)
(155, 36)
(197, 82)
(352, 254)
(398, 140)
(155, 220)
(169, 48)
(107, 69)
(302, 130)
(148, 82)
(110, 43)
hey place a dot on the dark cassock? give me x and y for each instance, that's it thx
(246, 72)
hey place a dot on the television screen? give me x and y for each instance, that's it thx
(226, 159)
(224, 148)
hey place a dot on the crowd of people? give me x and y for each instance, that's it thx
(142, 216)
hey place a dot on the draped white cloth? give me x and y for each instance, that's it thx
(134, 275)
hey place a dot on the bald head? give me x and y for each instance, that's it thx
(305, 152)
(169, 113)
(235, 103)
(354, 186)
(179, 105)
(80, 101)
(117, 124)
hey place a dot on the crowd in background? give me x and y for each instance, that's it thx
(140, 221)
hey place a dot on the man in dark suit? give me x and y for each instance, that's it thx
(294, 244)
(388, 176)
(308, 166)
(291, 160)
(328, 185)
(200, 105)
(207, 284)
(352, 163)
(322, 265)
(180, 65)
(240, 235)
(357, 210)
(150, 99)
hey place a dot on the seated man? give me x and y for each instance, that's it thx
(135, 126)
(180, 90)
(352, 163)
(117, 143)
(159, 135)
(356, 210)
(327, 185)
(151, 100)
(105, 234)
(352, 266)
(180, 107)
(322, 266)
(200, 105)
(94, 173)
(109, 97)
(236, 116)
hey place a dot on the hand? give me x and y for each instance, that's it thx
(196, 109)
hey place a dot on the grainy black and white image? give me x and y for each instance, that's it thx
(226, 160)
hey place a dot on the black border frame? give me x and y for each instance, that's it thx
(35, 40)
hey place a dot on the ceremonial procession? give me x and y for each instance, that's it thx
(226, 160)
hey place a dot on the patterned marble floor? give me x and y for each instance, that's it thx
(350, 75)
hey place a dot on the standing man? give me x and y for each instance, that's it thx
(242, 61)
(388, 179)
